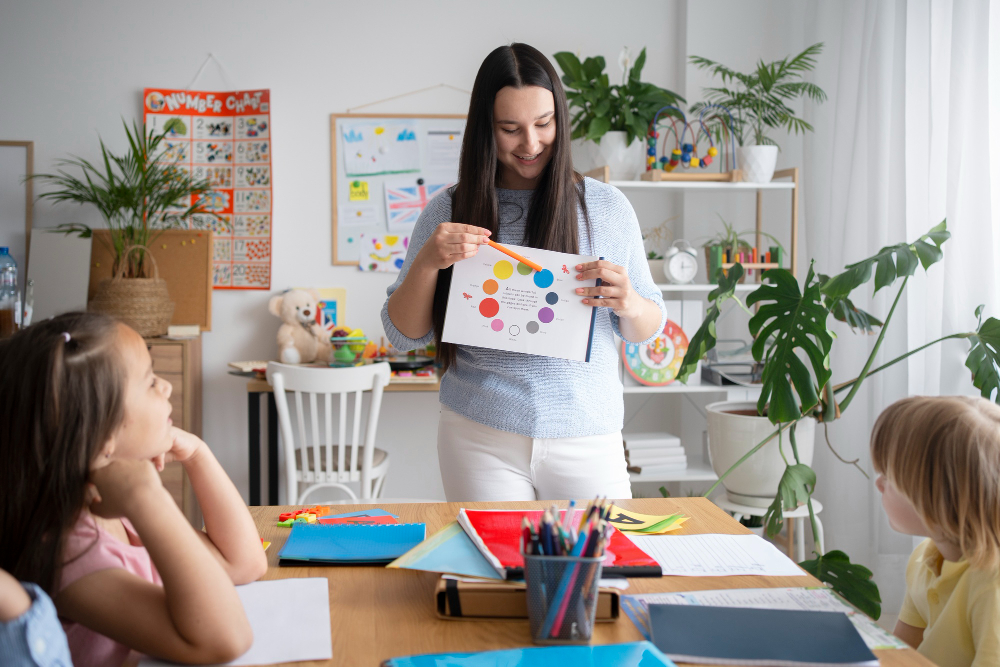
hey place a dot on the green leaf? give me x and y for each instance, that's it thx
(592, 67)
(797, 322)
(984, 358)
(704, 339)
(794, 489)
(570, 65)
(890, 263)
(852, 581)
(598, 128)
(640, 62)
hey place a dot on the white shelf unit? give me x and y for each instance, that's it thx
(699, 469)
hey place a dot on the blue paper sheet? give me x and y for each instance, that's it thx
(350, 543)
(635, 654)
(449, 551)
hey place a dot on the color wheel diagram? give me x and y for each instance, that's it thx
(502, 303)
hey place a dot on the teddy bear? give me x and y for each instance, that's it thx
(301, 340)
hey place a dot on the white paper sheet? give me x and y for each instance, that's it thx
(714, 555)
(496, 302)
(290, 620)
(807, 599)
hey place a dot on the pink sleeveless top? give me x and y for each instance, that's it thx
(89, 549)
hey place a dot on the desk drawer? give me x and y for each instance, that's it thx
(167, 359)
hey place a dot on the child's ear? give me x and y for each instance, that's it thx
(104, 454)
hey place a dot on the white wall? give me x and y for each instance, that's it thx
(72, 70)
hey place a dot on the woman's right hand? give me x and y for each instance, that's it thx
(113, 488)
(451, 242)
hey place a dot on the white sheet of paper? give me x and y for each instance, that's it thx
(806, 599)
(290, 620)
(496, 302)
(714, 555)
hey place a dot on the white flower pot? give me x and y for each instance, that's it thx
(626, 162)
(656, 269)
(733, 429)
(757, 162)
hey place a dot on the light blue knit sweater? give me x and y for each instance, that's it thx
(543, 397)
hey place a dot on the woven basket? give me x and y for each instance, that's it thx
(142, 303)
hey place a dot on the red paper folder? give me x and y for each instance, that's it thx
(497, 534)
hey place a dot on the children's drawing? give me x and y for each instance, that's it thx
(500, 303)
(372, 148)
(383, 253)
(406, 198)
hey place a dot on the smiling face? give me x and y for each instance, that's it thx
(525, 129)
(145, 433)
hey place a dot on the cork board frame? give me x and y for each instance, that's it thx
(184, 257)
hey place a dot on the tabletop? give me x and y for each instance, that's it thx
(378, 613)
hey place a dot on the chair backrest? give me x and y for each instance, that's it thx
(319, 464)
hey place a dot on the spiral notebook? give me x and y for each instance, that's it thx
(318, 544)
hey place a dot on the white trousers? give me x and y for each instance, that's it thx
(479, 463)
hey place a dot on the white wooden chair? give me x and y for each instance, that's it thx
(312, 456)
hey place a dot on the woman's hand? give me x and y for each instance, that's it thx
(113, 488)
(615, 289)
(451, 242)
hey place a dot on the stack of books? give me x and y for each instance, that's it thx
(654, 453)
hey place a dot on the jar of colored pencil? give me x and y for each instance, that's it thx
(563, 556)
(562, 597)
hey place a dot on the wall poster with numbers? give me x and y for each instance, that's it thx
(226, 138)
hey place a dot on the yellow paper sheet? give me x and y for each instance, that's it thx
(627, 520)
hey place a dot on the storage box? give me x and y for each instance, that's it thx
(456, 600)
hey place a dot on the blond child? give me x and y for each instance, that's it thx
(938, 460)
(84, 427)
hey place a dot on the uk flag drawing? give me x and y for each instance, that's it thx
(404, 200)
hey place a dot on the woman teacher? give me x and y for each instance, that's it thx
(516, 426)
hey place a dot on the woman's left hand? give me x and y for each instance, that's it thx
(615, 289)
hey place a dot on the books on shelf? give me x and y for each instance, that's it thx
(654, 453)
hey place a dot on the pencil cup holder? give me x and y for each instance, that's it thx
(562, 597)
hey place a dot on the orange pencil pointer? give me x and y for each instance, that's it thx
(511, 253)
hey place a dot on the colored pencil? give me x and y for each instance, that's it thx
(507, 251)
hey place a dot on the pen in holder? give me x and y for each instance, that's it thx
(563, 558)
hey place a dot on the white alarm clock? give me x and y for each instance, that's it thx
(681, 262)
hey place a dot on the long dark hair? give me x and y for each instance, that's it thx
(60, 401)
(558, 199)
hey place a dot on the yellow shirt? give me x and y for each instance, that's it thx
(958, 607)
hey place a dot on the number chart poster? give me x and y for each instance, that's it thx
(500, 303)
(225, 138)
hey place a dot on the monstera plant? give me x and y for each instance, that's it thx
(793, 340)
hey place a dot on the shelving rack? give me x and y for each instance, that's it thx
(699, 468)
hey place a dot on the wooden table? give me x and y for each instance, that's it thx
(255, 388)
(378, 614)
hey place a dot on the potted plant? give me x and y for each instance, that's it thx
(139, 193)
(656, 240)
(759, 103)
(611, 116)
(730, 242)
(792, 339)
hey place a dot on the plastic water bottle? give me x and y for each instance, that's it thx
(10, 298)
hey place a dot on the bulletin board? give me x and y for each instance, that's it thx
(184, 258)
(383, 170)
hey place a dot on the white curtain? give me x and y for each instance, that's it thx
(908, 137)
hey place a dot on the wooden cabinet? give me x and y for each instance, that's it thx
(179, 363)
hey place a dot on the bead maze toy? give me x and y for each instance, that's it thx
(660, 167)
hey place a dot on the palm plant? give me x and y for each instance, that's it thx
(759, 100)
(600, 107)
(138, 194)
(792, 338)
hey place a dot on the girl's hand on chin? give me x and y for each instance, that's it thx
(113, 488)
(185, 446)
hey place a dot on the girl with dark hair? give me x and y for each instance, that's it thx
(84, 426)
(516, 426)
